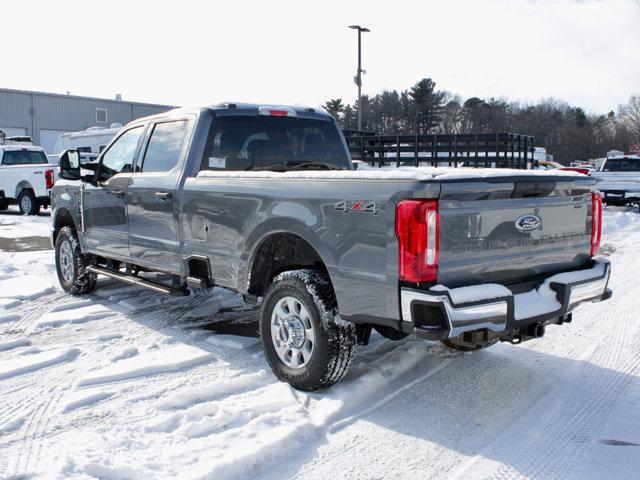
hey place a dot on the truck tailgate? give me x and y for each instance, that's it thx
(511, 231)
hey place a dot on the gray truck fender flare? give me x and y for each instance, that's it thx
(280, 225)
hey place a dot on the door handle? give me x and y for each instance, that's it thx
(164, 196)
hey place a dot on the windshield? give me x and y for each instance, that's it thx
(24, 157)
(622, 165)
(278, 143)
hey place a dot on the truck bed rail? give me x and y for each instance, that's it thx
(487, 150)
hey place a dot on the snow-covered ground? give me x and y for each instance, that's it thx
(127, 384)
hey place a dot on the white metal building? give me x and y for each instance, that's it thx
(44, 116)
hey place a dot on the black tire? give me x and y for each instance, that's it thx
(457, 344)
(3, 205)
(73, 267)
(390, 333)
(28, 203)
(334, 339)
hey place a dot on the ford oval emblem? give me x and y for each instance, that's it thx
(528, 222)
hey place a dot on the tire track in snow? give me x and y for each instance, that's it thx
(559, 445)
(34, 436)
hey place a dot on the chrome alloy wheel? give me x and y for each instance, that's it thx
(292, 332)
(65, 258)
(25, 203)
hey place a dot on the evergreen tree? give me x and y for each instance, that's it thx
(428, 105)
(334, 107)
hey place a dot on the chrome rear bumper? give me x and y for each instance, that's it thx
(436, 315)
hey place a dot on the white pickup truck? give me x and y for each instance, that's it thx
(618, 178)
(26, 178)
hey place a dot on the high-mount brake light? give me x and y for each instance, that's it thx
(276, 111)
(596, 222)
(417, 229)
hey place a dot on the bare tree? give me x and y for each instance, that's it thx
(630, 116)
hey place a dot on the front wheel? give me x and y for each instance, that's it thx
(71, 264)
(28, 203)
(304, 340)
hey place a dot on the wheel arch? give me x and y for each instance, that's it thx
(23, 185)
(62, 218)
(274, 250)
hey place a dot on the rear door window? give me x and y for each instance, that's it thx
(166, 146)
(261, 142)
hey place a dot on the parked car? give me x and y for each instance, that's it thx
(265, 201)
(618, 178)
(26, 177)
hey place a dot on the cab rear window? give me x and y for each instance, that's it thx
(622, 165)
(265, 142)
(24, 157)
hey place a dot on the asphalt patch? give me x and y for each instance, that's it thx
(33, 243)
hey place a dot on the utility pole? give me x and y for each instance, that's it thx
(358, 78)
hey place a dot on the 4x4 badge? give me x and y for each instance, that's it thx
(365, 206)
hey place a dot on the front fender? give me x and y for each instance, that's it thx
(65, 210)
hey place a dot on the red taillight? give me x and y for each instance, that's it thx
(48, 178)
(596, 222)
(417, 229)
(278, 113)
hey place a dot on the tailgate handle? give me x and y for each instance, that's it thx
(164, 196)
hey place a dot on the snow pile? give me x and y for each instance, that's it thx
(25, 287)
(154, 362)
(30, 363)
(82, 399)
(15, 343)
(71, 314)
(543, 299)
(474, 293)
(390, 174)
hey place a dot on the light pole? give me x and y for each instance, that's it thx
(358, 78)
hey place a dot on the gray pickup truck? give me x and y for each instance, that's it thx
(265, 201)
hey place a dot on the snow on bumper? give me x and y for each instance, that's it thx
(443, 313)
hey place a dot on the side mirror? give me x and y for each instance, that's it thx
(70, 165)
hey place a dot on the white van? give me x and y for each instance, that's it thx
(91, 140)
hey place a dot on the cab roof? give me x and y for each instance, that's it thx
(238, 108)
(21, 147)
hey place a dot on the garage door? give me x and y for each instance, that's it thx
(48, 139)
(14, 131)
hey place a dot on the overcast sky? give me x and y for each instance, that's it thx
(199, 52)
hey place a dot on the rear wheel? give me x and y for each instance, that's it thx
(28, 203)
(3, 204)
(71, 264)
(457, 343)
(303, 338)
